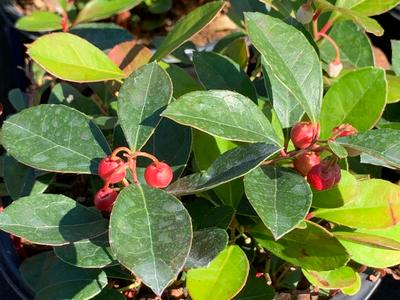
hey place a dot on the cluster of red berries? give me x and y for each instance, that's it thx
(321, 175)
(112, 170)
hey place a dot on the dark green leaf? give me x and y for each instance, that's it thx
(280, 197)
(109, 294)
(150, 234)
(51, 220)
(183, 83)
(256, 289)
(219, 217)
(19, 178)
(55, 138)
(142, 98)
(17, 99)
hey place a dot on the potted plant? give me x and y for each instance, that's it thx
(265, 174)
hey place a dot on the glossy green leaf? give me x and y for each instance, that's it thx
(183, 82)
(216, 71)
(368, 239)
(72, 58)
(231, 165)
(280, 197)
(238, 51)
(18, 99)
(53, 279)
(368, 7)
(382, 144)
(256, 289)
(335, 279)
(185, 28)
(312, 248)
(41, 184)
(223, 114)
(64, 93)
(150, 234)
(355, 47)
(19, 178)
(119, 272)
(103, 35)
(293, 68)
(220, 217)
(396, 57)
(142, 98)
(358, 93)
(354, 288)
(207, 244)
(101, 9)
(55, 138)
(51, 220)
(39, 21)
(376, 206)
(109, 294)
(337, 149)
(345, 191)
(222, 279)
(87, 253)
(372, 255)
(393, 88)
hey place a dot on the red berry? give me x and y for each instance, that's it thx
(304, 134)
(106, 168)
(105, 198)
(303, 163)
(324, 175)
(158, 175)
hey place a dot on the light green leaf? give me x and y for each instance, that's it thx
(368, 239)
(230, 165)
(368, 7)
(102, 9)
(292, 64)
(396, 57)
(280, 197)
(312, 247)
(39, 21)
(51, 220)
(361, 92)
(186, 27)
(142, 97)
(72, 58)
(393, 88)
(53, 279)
(337, 149)
(223, 114)
(150, 234)
(222, 279)
(342, 277)
(87, 253)
(376, 206)
(55, 138)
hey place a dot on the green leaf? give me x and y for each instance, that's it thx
(53, 279)
(312, 248)
(186, 27)
(396, 56)
(373, 255)
(216, 71)
(345, 191)
(231, 165)
(150, 234)
(51, 220)
(368, 7)
(280, 197)
(222, 279)
(238, 51)
(219, 217)
(337, 149)
(393, 88)
(358, 93)
(354, 44)
(55, 138)
(102, 9)
(381, 144)
(207, 244)
(103, 35)
(87, 253)
(292, 64)
(109, 294)
(18, 99)
(376, 206)
(19, 178)
(354, 288)
(256, 289)
(64, 93)
(142, 97)
(335, 279)
(72, 58)
(39, 21)
(368, 239)
(223, 114)
(182, 82)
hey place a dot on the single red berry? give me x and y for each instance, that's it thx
(303, 163)
(344, 130)
(106, 168)
(158, 175)
(304, 134)
(324, 175)
(105, 198)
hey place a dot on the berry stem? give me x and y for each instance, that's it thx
(125, 182)
(132, 166)
(333, 43)
(145, 154)
(118, 150)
